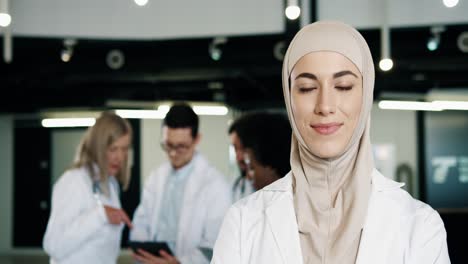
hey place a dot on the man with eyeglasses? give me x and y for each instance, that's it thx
(184, 200)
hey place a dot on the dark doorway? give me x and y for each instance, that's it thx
(31, 183)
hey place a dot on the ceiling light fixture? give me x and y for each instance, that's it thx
(5, 18)
(450, 3)
(292, 11)
(115, 59)
(160, 113)
(202, 109)
(386, 62)
(141, 2)
(423, 106)
(68, 122)
(462, 42)
(408, 105)
(68, 48)
(214, 49)
(434, 41)
(141, 114)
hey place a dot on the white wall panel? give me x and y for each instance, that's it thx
(159, 19)
(401, 13)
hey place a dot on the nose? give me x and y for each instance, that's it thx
(239, 155)
(120, 156)
(325, 102)
(172, 153)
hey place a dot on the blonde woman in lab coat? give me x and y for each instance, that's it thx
(86, 219)
(334, 206)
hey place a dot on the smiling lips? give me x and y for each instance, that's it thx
(326, 129)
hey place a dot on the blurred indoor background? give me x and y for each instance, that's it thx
(72, 59)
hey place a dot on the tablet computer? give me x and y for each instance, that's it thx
(152, 247)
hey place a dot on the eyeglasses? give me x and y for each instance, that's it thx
(179, 148)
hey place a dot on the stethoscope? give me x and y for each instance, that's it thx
(97, 192)
(241, 180)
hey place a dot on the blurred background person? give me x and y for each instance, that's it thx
(185, 199)
(266, 139)
(86, 219)
(241, 186)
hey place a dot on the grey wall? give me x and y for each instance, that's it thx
(64, 145)
(397, 127)
(6, 182)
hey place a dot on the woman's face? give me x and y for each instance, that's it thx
(326, 99)
(259, 174)
(116, 154)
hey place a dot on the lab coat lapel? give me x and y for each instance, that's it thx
(282, 220)
(158, 193)
(382, 224)
(190, 198)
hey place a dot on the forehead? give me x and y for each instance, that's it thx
(235, 138)
(177, 134)
(323, 63)
(122, 141)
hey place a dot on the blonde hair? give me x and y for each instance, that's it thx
(93, 148)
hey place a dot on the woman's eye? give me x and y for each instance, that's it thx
(306, 89)
(344, 88)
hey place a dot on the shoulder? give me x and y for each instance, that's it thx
(260, 200)
(413, 212)
(73, 181)
(78, 175)
(157, 173)
(421, 227)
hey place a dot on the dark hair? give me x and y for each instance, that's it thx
(268, 135)
(181, 115)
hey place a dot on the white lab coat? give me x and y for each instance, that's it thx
(78, 230)
(399, 229)
(206, 199)
(241, 188)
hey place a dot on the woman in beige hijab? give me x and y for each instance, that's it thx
(334, 206)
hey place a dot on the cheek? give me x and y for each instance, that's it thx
(109, 156)
(351, 106)
(301, 107)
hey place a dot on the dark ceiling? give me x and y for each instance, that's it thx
(247, 75)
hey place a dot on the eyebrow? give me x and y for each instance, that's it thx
(306, 75)
(343, 73)
(335, 75)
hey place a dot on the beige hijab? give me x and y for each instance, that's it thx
(331, 195)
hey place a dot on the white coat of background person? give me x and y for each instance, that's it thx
(334, 206)
(190, 219)
(86, 219)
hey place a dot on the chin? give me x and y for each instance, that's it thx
(324, 151)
